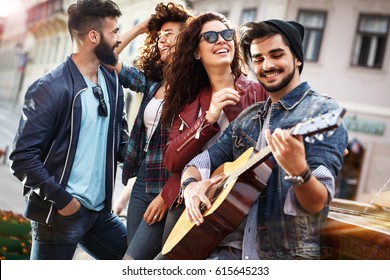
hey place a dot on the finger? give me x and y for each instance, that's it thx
(161, 216)
(196, 215)
(148, 214)
(154, 219)
(216, 179)
(278, 141)
(188, 215)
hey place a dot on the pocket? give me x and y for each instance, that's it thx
(37, 209)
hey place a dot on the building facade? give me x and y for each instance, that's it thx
(347, 55)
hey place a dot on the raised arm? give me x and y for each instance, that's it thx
(131, 34)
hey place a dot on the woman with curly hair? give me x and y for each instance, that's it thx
(146, 210)
(207, 90)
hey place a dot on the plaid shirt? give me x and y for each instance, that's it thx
(156, 173)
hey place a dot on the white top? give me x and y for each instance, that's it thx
(152, 117)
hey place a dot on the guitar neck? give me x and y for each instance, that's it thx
(256, 158)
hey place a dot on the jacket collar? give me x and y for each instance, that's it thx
(78, 80)
(292, 99)
(289, 101)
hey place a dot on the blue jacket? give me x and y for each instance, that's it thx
(283, 234)
(46, 141)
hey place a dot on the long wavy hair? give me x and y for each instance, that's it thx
(149, 59)
(186, 76)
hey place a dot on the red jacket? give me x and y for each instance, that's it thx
(189, 132)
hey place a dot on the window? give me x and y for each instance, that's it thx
(370, 42)
(314, 23)
(248, 15)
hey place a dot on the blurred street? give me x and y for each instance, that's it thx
(11, 189)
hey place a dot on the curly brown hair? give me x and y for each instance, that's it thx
(185, 75)
(149, 59)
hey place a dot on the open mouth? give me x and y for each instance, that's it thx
(221, 51)
(270, 74)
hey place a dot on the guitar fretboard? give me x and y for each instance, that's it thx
(254, 159)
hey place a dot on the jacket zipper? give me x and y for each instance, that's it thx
(71, 135)
(196, 136)
(113, 135)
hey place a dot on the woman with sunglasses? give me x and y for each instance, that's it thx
(207, 90)
(146, 209)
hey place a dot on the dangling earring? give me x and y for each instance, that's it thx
(197, 56)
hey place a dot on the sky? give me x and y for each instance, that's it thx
(9, 6)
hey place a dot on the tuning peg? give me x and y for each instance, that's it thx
(330, 133)
(310, 139)
(319, 136)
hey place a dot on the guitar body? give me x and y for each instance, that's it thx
(230, 207)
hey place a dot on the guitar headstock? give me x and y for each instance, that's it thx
(318, 125)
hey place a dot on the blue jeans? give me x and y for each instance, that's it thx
(100, 233)
(144, 240)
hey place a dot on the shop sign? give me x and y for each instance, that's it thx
(354, 123)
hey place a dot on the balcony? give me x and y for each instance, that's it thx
(45, 12)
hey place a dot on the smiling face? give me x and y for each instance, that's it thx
(275, 66)
(167, 38)
(109, 40)
(219, 53)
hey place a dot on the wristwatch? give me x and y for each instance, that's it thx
(300, 179)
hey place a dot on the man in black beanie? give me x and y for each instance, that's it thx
(294, 33)
(284, 222)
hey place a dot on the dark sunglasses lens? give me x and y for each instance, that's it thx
(97, 91)
(102, 108)
(210, 36)
(227, 34)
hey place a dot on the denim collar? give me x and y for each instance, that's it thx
(289, 101)
(292, 99)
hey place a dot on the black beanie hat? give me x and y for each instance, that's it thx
(294, 33)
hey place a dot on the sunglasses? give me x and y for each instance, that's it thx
(102, 108)
(212, 36)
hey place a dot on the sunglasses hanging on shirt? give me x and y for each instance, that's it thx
(102, 107)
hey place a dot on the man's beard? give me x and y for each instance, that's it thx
(282, 84)
(105, 53)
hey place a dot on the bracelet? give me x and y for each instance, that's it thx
(300, 179)
(306, 175)
(183, 186)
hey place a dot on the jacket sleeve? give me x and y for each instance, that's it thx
(184, 146)
(132, 78)
(34, 138)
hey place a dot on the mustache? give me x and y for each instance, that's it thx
(116, 45)
(269, 71)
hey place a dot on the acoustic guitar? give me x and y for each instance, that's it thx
(244, 180)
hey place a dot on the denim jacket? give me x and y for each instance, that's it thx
(284, 235)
